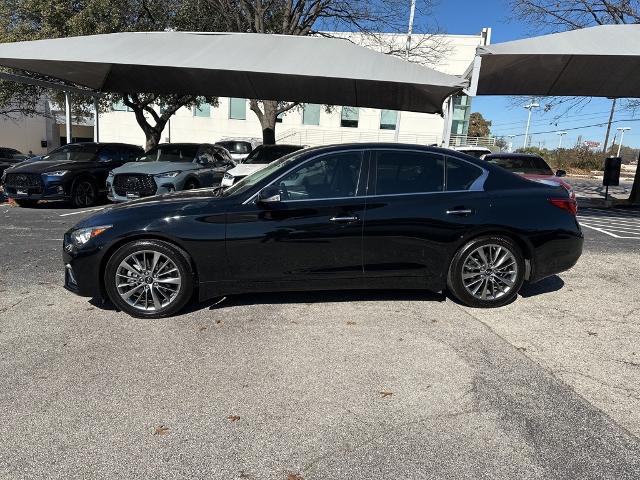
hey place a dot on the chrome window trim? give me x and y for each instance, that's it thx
(476, 186)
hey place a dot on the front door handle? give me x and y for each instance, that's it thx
(460, 211)
(348, 219)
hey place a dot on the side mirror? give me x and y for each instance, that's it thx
(270, 194)
(561, 173)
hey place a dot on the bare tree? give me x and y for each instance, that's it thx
(322, 17)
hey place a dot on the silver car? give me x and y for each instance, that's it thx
(167, 168)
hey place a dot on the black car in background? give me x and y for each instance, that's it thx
(76, 172)
(10, 157)
(368, 216)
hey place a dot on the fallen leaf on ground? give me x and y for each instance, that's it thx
(386, 394)
(351, 323)
(161, 430)
(294, 476)
(202, 329)
(522, 349)
(234, 418)
(593, 334)
(219, 322)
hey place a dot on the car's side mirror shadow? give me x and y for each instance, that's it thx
(269, 195)
(561, 173)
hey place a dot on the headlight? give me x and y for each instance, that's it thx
(83, 235)
(57, 173)
(169, 174)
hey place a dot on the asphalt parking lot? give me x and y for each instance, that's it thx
(324, 385)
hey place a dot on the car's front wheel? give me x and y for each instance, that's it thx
(149, 279)
(487, 272)
(85, 194)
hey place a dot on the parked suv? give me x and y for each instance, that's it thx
(259, 158)
(74, 172)
(9, 157)
(169, 167)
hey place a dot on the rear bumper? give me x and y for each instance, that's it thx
(556, 255)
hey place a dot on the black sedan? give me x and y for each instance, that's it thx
(369, 216)
(76, 172)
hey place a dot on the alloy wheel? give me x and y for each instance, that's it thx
(85, 194)
(490, 272)
(148, 280)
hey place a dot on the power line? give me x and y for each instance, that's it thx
(579, 128)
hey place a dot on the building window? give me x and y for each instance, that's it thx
(461, 112)
(237, 109)
(119, 106)
(311, 114)
(388, 119)
(349, 117)
(204, 110)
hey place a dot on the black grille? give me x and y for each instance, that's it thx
(23, 180)
(142, 185)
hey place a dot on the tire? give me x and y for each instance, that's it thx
(494, 283)
(84, 193)
(25, 203)
(191, 184)
(137, 294)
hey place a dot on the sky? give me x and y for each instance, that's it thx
(509, 117)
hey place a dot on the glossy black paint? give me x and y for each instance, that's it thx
(95, 169)
(396, 241)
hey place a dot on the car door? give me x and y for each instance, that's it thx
(314, 234)
(420, 204)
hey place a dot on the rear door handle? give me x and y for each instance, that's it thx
(349, 219)
(460, 211)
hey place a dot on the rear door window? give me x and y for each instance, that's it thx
(405, 172)
(461, 175)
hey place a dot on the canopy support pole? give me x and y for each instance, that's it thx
(67, 115)
(448, 121)
(96, 120)
(412, 14)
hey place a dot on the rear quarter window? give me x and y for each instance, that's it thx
(461, 175)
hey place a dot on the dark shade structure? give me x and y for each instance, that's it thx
(602, 61)
(267, 67)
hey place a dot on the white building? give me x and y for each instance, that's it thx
(308, 125)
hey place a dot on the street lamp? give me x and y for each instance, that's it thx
(511, 137)
(622, 130)
(562, 134)
(529, 107)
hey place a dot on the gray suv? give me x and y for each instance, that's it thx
(167, 168)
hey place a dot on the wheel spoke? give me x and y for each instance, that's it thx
(490, 272)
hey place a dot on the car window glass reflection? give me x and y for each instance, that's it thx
(331, 176)
(461, 175)
(409, 172)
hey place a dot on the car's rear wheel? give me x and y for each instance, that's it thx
(149, 279)
(84, 194)
(23, 202)
(487, 272)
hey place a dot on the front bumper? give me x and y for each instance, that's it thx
(48, 191)
(82, 270)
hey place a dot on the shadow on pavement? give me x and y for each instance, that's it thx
(546, 285)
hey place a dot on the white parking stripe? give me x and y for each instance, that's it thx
(81, 211)
(623, 224)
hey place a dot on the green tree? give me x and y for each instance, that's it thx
(478, 126)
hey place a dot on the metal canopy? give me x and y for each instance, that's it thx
(245, 65)
(602, 61)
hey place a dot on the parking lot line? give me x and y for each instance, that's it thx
(81, 211)
(620, 224)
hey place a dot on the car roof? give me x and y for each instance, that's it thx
(280, 145)
(101, 144)
(474, 149)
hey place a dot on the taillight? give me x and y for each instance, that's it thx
(568, 204)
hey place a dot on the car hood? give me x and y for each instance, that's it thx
(245, 169)
(154, 168)
(44, 166)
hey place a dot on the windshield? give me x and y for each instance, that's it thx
(524, 165)
(238, 148)
(74, 153)
(264, 155)
(247, 182)
(171, 153)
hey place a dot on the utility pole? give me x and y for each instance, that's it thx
(510, 137)
(562, 134)
(622, 130)
(412, 15)
(529, 107)
(606, 137)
